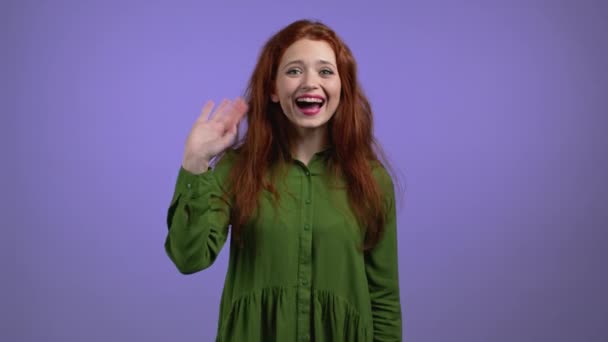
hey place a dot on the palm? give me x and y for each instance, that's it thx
(210, 137)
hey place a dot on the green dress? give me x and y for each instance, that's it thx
(300, 275)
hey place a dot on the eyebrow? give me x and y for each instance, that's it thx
(320, 61)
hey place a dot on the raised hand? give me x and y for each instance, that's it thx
(210, 137)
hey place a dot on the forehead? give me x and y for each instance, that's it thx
(309, 51)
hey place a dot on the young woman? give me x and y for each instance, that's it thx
(313, 252)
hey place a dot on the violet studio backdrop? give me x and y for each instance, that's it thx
(493, 112)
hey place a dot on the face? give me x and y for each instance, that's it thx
(308, 85)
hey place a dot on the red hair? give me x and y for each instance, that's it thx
(268, 140)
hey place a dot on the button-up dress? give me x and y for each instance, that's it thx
(301, 275)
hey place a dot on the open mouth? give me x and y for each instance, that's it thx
(309, 105)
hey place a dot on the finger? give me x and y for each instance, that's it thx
(238, 109)
(218, 113)
(205, 111)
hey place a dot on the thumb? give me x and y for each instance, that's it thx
(229, 136)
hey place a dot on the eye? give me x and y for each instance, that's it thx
(294, 71)
(326, 72)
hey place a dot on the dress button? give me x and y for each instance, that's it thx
(307, 173)
(306, 227)
(305, 338)
(307, 201)
(304, 282)
(189, 185)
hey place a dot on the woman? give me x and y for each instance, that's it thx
(313, 253)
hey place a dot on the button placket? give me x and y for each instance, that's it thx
(305, 262)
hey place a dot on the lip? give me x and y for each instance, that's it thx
(310, 112)
(314, 96)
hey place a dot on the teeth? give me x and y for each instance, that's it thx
(310, 99)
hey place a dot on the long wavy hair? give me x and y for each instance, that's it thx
(268, 142)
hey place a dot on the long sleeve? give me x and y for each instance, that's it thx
(381, 266)
(197, 219)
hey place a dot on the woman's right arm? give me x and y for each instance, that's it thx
(197, 219)
(199, 215)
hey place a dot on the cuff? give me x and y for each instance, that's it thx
(190, 184)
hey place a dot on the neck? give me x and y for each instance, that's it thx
(308, 142)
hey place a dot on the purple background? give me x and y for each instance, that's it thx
(494, 113)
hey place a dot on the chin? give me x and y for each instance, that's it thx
(312, 125)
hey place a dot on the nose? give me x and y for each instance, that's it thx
(310, 80)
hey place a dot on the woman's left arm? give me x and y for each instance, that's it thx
(381, 266)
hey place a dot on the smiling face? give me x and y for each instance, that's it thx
(308, 85)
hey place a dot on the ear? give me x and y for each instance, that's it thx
(274, 98)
